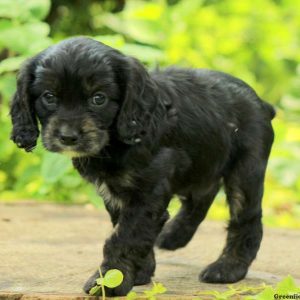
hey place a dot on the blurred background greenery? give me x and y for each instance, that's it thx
(255, 40)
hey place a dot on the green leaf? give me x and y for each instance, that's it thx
(24, 10)
(11, 64)
(7, 87)
(210, 293)
(144, 53)
(114, 40)
(9, 9)
(159, 288)
(228, 294)
(94, 290)
(235, 290)
(113, 278)
(27, 39)
(148, 293)
(54, 166)
(5, 24)
(266, 294)
(100, 281)
(38, 9)
(287, 285)
(72, 180)
(142, 31)
(131, 296)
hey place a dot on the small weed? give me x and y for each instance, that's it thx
(233, 291)
(111, 279)
(286, 287)
(114, 278)
(263, 292)
(158, 288)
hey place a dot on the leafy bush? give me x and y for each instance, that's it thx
(257, 41)
(39, 175)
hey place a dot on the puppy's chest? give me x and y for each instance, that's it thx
(116, 190)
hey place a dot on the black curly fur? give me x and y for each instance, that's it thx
(176, 131)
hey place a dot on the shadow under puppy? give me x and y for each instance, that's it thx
(142, 137)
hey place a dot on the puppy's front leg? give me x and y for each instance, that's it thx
(139, 223)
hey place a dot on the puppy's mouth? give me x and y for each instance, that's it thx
(85, 140)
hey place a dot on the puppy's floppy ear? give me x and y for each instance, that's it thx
(135, 118)
(25, 129)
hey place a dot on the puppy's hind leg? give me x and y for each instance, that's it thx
(244, 189)
(180, 230)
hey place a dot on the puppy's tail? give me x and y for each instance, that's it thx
(269, 109)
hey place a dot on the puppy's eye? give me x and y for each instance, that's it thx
(49, 100)
(99, 99)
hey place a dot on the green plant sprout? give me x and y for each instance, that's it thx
(114, 278)
(158, 288)
(263, 292)
(287, 286)
(232, 290)
(111, 279)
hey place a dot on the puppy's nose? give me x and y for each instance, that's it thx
(68, 137)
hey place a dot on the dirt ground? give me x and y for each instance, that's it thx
(47, 251)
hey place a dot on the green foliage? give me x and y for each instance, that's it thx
(22, 25)
(287, 286)
(111, 279)
(233, 291)
(40, 175)
(24, 10)
(264, 292)
(54, 166)
(114, 278)
(255, 40)
(157, 289)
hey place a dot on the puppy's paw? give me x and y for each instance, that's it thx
(145, 270)
(91, 282)
(144, 275)
(174, 236)
(142, 278)
(25, 139)
(121, 290)
(224, 270)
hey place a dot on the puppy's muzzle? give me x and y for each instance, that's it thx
(68, 136)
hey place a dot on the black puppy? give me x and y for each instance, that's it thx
(142, 137)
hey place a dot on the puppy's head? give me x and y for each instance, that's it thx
(83, 93)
